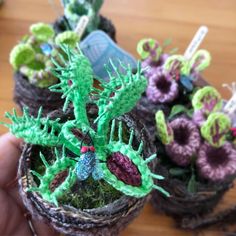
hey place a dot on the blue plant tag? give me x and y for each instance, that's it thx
(46, 48)
(100, 48)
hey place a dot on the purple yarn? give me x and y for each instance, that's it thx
(162, 88)
(216, 164)
(124, 169)
(152, 66)
(186, 141)
(199, 117)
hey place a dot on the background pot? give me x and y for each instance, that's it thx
(108, 220)
(183, 205)
(28, 95)
(106, 25)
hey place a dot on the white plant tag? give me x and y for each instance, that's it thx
(196, 41)
(81, 26)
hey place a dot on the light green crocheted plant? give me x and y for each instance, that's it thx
(42, 32)
(32, 56)
(164, 132)
(74, 10)
(21, 54)
(207, 99)
(117, 97)
(215, 128)
(68, 37)
(149, 48)
(200, 60)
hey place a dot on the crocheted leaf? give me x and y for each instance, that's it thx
(72, 134)
(42, 31)
(164, 132)
(41, 131)
(149, 48)
(76, 80)
(215, 128)
(69, 38)
(125, 169)
(21, 54)
(207, 99)
(177, 62)
(178, 109)
(200, 60)
(119, 96)
(50, 188)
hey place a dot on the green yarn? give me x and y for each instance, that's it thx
(208, 99)
(21, 54)
(215, 128)
(163, 131)
(74, 10)
(126, 90)
(69, 38)
(118, 96)
(42, 32)
(135, 156)
(199, 61)
(146, 47)
(40, 131)
(62, 163)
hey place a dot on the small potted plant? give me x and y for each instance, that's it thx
(86, 172)
(171, 81)
(196, 147)
(74, 10)
(31, 62)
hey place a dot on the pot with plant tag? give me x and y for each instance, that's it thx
(74, 10)
(197, 157)
(89, 174)
(31, 62)
(172, 79)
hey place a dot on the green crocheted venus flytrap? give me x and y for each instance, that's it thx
(32, 55)
(116, 161)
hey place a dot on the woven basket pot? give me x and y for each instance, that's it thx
(108, 220)
(28, 95)
(182, 205)
(106, 25)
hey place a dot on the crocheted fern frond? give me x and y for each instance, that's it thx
(41, 131)
(119, 95)
(76, 81)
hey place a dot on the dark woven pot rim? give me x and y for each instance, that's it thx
(108, 219)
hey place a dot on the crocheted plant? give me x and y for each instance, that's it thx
(201, 141)
(98, 153)
(152, 54)
(74, 10)
(186, 71)
(32, 55)
(175, 77)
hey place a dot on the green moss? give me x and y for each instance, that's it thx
(90, 194)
